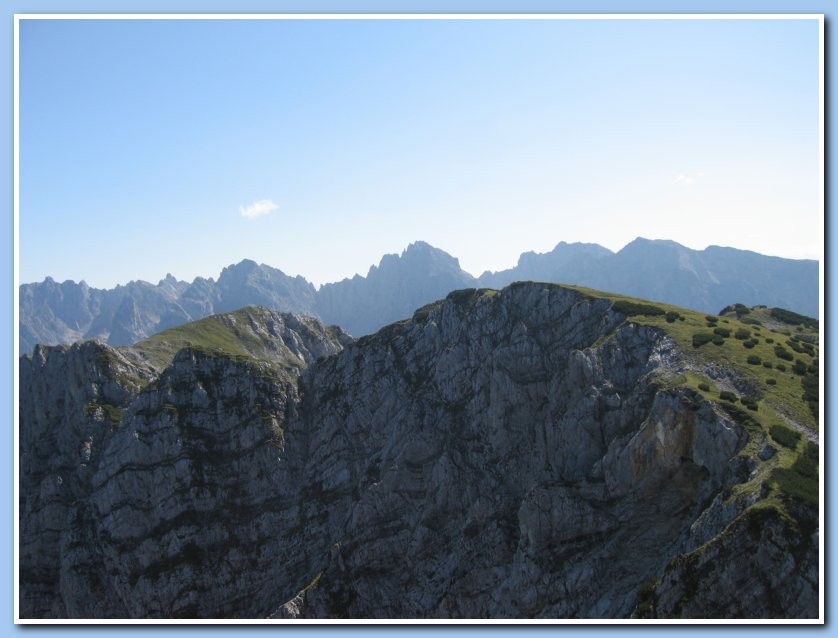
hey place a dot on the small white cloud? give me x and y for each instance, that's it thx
(257, 209)
(684, 178)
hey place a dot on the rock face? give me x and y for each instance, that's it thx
(708, 280)
(502, 454)
(156, 501)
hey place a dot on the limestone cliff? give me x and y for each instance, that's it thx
(532, 452)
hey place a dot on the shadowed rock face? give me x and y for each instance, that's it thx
(163, 500)
(511, 454)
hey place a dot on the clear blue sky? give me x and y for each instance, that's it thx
(143, 142)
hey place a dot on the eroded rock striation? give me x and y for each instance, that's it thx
(521, 454)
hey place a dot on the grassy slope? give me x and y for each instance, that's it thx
(780, 406)
(228, 334)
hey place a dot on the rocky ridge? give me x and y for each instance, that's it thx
(532, 452)
(53, 313)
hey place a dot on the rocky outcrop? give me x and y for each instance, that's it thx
(515, 454)
(155, 494)
(489, 459)
(779, 578)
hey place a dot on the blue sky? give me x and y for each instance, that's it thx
(144, 142)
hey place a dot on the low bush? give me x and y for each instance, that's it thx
(789, 317)
(630, 309)
(700, 338)
(725, 395)
(767, 364)
(672, 317)
(751, 322)
(794, 483)
(704, 387)
(750, 403)
(769, 340)
(781, 367)
(771, 381)
(718, 340)
(801, 347)
(742, 333)
(724, 332)
(799, 367)
(805, 467)
(784, 436)
(801, 479)
(811, 393)
(738, 308)
(754, 360)
(711, 318)
(782, 353)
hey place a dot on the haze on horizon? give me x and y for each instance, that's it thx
(316, 147)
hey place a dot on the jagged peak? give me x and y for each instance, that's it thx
(245, 265)
(419, 246)
(638, 242)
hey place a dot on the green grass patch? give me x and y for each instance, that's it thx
(780, 401)
(229, 334)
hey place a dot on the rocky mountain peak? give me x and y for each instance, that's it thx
(537, 451)
(239, 271)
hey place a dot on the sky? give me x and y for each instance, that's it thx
(150, 147)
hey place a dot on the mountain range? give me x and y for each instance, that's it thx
(705, 280)
(540, 451)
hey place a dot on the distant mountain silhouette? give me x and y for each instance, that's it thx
(392, 290)
(666, 271)
(52, 313)
(659, 270)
